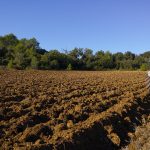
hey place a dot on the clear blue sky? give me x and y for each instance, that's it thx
(115, 25)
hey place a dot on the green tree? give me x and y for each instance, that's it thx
(10, 64)
(54, 64)
(44, 61)
(108, 60)
(88, 59)
(144, 67)
(54, 54)
(34, 63)
(118, 57)
(69, 67)
(128, 64)
(7, 46)
(146, 54)
(19, 60)
(103, 60)
(129, 55)
(76, 53)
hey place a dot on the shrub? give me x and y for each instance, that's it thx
(69, 67)
(144, 67)
(10, 64)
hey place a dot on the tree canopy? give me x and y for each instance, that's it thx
(27, 53)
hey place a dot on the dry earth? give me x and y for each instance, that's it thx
(71, 110)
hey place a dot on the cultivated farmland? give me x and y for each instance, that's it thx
(71, 110)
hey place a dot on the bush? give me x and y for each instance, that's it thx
(10, 64)
(69, 67)
(54, 64)
(34, 63)
(144, 67)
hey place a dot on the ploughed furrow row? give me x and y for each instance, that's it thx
(71, 110)
(111, 129)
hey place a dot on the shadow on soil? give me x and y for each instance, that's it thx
(97, 137)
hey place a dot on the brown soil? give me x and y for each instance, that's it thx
(71, 110)
(141, 138)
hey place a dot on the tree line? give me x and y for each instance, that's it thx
(26, 53)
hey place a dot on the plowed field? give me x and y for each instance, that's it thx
(71, 110)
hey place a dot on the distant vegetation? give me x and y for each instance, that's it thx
(26, 54)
